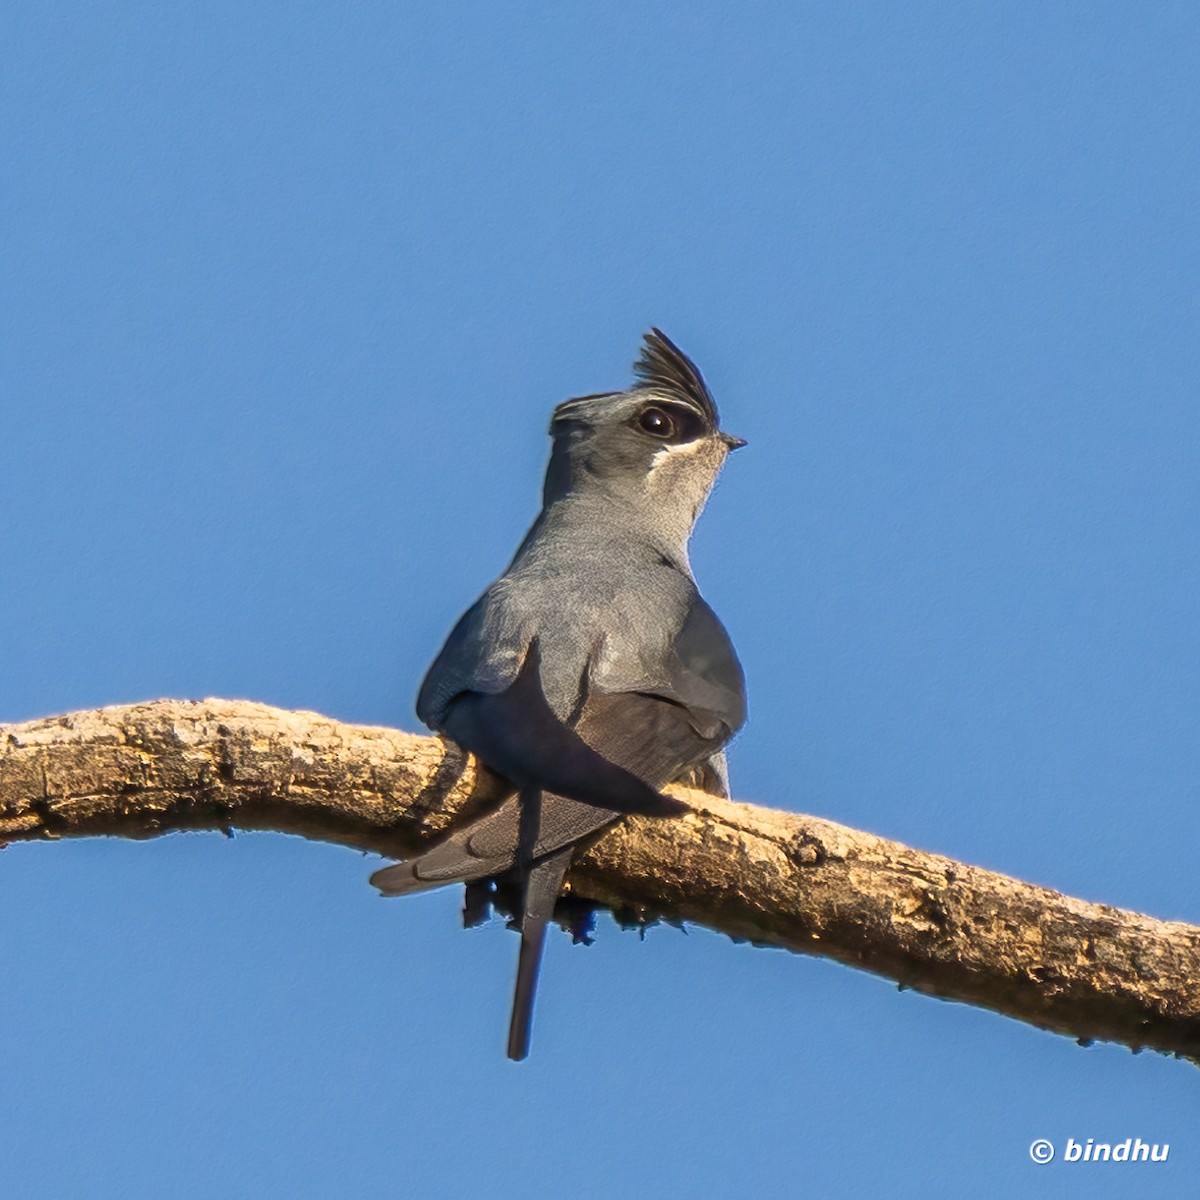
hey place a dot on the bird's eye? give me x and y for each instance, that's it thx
(656, 423)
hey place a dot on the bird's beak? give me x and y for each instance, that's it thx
(734, 443)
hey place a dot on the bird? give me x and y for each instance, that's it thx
(592, 673)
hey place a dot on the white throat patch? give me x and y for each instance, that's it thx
(669, 453)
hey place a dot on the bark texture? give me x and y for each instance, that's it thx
(780, 879)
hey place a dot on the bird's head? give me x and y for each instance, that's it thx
(658, 446)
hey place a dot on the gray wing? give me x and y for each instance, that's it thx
(483, 653)
(648, 717)
(706, 676)
(518, 736)
(695, 666)
(643, 736)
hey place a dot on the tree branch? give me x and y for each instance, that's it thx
(780, 879)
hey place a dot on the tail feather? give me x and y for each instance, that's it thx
(542, 887)
(533, 942)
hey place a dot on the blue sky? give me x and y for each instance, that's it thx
(288, 293)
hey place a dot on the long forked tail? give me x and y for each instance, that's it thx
(542, 886)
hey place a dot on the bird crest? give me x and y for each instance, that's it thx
(663, 367)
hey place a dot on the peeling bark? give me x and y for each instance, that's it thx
(780, 879)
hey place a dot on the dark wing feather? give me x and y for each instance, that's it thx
(518, 736)
(643, 736)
